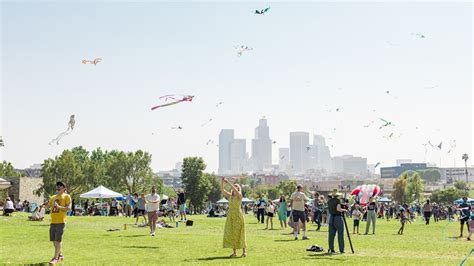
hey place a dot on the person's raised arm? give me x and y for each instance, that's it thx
(225, 192)
(237, 192)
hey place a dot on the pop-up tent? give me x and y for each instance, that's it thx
(247, 200)
(459, 201)
(223, 201)
(101, 192)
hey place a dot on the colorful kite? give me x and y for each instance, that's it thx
(263, 11)
(70, 127)
(241, 49)
(364, 192)
(92, 62)
(175, 99)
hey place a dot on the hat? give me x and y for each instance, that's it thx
(335, 193)
(59, 183)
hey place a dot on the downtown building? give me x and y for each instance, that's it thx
(299, 152)
(262, 147)
(350, 164)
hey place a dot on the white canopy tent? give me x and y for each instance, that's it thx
(222, 201)
(101, 192)
(4, 184)
(247, 200)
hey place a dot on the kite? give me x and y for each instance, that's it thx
(175, 100)
(282, 157)
(207, 122)
(467, 256)
(418, 35)
(241, 49)
(178, 127)
(274, 142)
(391, 43)
(364, 192)
(452, 145)
(263, 11)
(92, 62)
(209, 141)
(377, 164)
(1, 142)
(431, 87)
(386, 123)
(219, 103)
(392, 136)
(439, 146)
(70, 127)
(308, 148)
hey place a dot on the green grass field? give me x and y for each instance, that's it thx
(86, 241)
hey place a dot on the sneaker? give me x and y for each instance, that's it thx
(305, 238)
(53, 261)
(153, 234)
(331, 252)
(61, 257)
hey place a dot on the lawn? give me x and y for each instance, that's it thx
(87, 242)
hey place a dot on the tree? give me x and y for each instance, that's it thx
(287, 187)
(447, 196)
(69, 168)
(430, 175)
(197, 187)
(414, 187)
(7, 170)
(399, 193)
(215, 188)
(461, 185)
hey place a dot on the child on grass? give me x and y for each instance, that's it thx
(404, 218)
(356, 215)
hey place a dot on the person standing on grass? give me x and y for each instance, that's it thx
(427, 209)
(181, 203)
(356, 215)
(59, 204)
(465, 214)
(298, 199)
(371, 210)
(261, 209)
(317, 210)
(140, 209)
(282, 214)
(471, 223)
(336, 222)
(270, 213)
(152, 207)
(404, 218)
(234, 229)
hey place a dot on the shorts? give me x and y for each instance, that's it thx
(182, 207)
(464, 220)
(140, 212)
(299, 215)
(152, 215)
(56, 232)
(270, 214)
(356, 223)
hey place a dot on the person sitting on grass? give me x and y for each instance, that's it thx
(404, 218)
(38, 214)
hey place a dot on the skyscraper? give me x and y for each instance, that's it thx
(226, 137)
(320, 156)
(299, 151)
(238, 156)
(262, 146)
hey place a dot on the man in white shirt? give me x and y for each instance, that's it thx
(8, 209)
(152, 207)
(298, 199)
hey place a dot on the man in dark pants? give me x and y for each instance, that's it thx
(317, 211)
(336, 222)
(465, 209)
(261, 209)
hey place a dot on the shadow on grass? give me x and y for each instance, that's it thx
(131, 236)
(142, 247)
(324, 255)
(285, 240)
(218, 258)
(39, 225)
(38, 264)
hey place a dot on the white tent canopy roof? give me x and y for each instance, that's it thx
(222, 201)
(101, 192)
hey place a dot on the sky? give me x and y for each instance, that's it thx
(307, 58)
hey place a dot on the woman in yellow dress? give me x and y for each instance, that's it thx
(234, 231)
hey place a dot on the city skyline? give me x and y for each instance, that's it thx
(307, 72)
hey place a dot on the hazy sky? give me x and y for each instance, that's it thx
(307, 58)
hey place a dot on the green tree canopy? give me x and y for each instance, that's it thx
(197, 187)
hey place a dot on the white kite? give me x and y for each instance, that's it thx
(70, 128)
